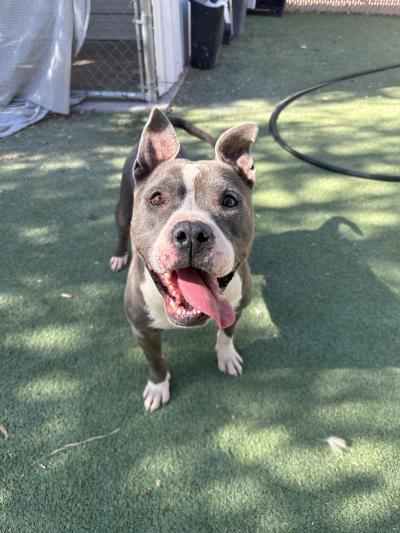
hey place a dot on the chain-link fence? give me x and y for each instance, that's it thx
(367, 7)
(113, 61)
(110, 62)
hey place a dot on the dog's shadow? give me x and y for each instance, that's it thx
(328, 306)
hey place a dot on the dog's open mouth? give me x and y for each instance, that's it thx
(192, 295)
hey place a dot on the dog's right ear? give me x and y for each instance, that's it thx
(234, 148)
(158, 143)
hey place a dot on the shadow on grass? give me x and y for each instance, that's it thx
(329, 307)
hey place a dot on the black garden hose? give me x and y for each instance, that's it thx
(273, 127)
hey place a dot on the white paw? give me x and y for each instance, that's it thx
(156, 394)
(229, 361)
(118, 263)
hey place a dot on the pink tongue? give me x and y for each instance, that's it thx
(203, 292)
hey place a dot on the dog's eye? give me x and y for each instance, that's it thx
(229, 201)
(157, 199)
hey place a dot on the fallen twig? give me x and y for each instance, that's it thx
(74, 444)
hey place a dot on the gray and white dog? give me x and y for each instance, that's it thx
(191, 230)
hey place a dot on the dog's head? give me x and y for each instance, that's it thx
(192, 222)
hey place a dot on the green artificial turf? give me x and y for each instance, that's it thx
(320, 341)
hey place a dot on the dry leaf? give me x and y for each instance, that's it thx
(4, 432)
(257, 415)
(65, 295)
(336, 444)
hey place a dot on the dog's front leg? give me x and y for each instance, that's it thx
(229, 361)
(123, 215)
(156, 392)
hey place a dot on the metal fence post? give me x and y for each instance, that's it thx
(148, 50)
(139, 46)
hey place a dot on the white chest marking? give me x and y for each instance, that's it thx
(233, 292)
(154, 303)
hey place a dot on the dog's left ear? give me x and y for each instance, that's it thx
(233, 148)
(158, 143)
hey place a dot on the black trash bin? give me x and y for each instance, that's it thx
(207, 29)
(274, 6)
(239, 10)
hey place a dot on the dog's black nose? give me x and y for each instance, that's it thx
(191, 234)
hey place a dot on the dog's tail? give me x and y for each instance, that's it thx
(192, 129)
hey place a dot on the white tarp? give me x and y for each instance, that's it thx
(38, 39)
